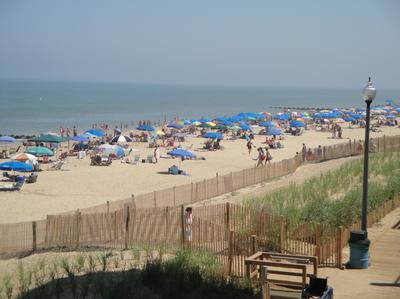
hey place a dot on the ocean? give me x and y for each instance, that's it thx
(32, 107)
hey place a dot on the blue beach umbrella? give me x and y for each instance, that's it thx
(274, 131)
(97, 133)
(80, 138)
(282, 116)
(213, 135)
(175, 126)
(179, 152)
(245, 127)
(16, 166)
(349, 119)
(390, 116)
(146, 128)
(296, 124)
(204, 120)
(266, 124)
(7, 139)
(225, 123)
(357, 116)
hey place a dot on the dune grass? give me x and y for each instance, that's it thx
(189, 274)
(334, 197)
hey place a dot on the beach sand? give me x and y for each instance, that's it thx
(79, 185)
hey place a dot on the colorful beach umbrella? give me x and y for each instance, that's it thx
(15, 166)
(39, 151)
(107, 149)
(245, 127)
(22, 157)
(160, 133)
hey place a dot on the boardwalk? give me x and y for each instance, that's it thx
(382, 279)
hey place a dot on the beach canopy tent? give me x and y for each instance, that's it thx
(175, 126)
(80, 138)
(108, 149)
(267, 124)
(49, 138)
(180, 152)
(146, 128)
(121, 139)
(213, 135)
(39, 151)
(15, 166)
(22, 157)
(274, 131)
(296, 124)
(97, 133)
(7, 139)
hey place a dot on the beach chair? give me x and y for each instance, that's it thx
(149, 159)
(14, 186)
(136, 159)
(56, 165)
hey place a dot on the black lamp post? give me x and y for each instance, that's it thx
(368, 94)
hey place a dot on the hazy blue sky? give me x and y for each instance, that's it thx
(232, 42)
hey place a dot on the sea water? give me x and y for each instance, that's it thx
(32, 107)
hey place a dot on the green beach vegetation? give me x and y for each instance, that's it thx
(188, 274)
(334, 197)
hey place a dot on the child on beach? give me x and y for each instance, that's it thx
(261, 157)
(249, 145)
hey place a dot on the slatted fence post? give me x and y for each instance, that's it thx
(227, 217)
(264, 283)
(155, 199)
(217, 181)
(34, 244)
(77, 227)
(282, 236)
(230, 250)
(253, 244)
(318, 242)
(183, 226)
(174, 195)
(126, 220)
(108, 207)
(339, 241)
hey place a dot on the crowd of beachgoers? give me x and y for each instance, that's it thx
(224, 142)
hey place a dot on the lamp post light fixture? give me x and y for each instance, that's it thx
(368, 94)
(358, 242)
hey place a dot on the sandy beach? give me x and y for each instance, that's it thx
(80, 185)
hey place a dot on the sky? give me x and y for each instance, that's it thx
(220, 42)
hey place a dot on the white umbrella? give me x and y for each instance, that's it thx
(121, 139)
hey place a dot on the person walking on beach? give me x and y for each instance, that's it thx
(74, 131)
(156, 154)
(62, 131)
(261, 157)
(249, 145)
(268, 156)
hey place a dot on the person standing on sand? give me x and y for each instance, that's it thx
(188, 224)
(156, 154)
(304, 152)
(74, 131)
(268, 156)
